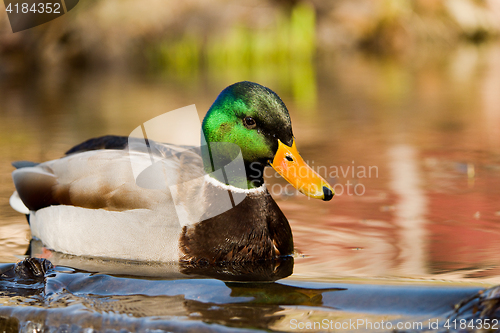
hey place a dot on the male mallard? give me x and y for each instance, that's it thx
(88, 202)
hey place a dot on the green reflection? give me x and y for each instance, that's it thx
(282, 52)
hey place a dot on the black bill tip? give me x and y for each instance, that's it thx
(327, 194)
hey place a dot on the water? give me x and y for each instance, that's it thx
(105, 302)
(409, 234)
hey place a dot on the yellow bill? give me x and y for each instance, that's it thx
(290, 165)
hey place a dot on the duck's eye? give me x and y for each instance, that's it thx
(249, 122)
(289, 158)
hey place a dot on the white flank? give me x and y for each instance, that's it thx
(138, 234)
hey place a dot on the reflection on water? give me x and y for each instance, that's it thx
(261, 270)
(105, 302)
(409, 216)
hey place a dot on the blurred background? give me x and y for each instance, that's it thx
(411, 87)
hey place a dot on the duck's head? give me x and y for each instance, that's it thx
(256, 119)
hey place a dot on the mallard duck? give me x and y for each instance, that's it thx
(88, 203)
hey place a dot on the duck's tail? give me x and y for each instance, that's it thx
(15, 201)
(18, 205)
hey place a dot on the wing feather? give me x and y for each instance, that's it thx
(103, 142)
(103, 179)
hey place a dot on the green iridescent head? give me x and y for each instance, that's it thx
(252, 117)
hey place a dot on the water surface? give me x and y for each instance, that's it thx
(423, 203)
